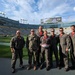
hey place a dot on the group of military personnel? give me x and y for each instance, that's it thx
(41, 47)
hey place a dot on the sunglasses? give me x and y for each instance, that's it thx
(60, 30)
(52, 31)
(32, 31)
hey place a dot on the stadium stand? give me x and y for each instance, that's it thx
(9, 27)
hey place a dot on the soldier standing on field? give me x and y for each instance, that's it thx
(64, 43)
(32, 44)
(72, 50)
(45, 45)
(39, 33)
(53, 47)
(17, 44)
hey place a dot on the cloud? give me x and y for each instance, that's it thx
(34, 10)
(74, 8)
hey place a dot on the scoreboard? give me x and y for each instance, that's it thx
(52, 20)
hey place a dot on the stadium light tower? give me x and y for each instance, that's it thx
(24, 21)
(2, 13)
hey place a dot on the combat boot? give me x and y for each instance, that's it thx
(35, 68)
(13, 70)
(29, 67)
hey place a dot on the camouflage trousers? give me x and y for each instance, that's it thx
(32, 54)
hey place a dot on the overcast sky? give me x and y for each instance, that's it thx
(34, 10)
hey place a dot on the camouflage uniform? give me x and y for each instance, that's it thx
(17, 44)
(32, 44)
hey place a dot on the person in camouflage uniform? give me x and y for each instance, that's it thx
(64, 43)
(45, 45)
(16, 44)
(32, 44)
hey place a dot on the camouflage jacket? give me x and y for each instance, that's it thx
(32, 42)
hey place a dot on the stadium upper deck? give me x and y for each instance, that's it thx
(12, 23)
(9, 26)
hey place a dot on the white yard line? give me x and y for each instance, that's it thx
(6, 44)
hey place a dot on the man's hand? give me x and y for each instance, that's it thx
(40, 44)
(66, 49)
(12, 50)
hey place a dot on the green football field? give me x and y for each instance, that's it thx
(6, 53)
(5, 50)
(7, 39)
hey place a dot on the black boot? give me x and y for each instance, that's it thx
(29, 67)
(13, 70)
